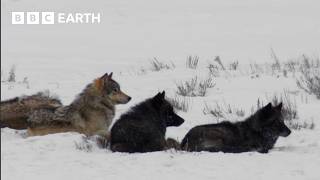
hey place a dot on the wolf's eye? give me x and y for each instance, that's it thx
(115, 90)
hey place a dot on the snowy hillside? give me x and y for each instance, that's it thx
(65, 58)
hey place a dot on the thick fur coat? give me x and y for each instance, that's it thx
(143, 128)
(257, 133)
(90, 113)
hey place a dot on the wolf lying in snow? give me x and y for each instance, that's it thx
(90, 113)
(15, 112)
(257, 133)
(143, 128)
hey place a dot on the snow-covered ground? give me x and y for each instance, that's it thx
(71, 156)
(64, 58)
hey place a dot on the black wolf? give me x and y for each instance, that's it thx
(143, 128)
(257, 133)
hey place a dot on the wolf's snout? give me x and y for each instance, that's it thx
(126, 98)
(179, 120)
(286, 132)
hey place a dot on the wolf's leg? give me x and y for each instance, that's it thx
(103, 138)
(172, 143)
(104, 133)
(211, 145)
(102, 142)
(122, 147)
(263, 150)
(157, 144)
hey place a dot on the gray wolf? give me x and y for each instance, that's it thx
(257, 133)
(15, 112)
(91, 113)
(143, 128)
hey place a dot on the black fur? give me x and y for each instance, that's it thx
(257, 133)
(143, 128)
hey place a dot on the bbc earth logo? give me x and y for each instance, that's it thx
(55, 18)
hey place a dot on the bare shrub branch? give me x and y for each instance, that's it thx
(180, 103)
(276, 66)
(234, 66)
(222, 112)
(204, 85)
(12, 74)
(157, 65)
(310, 77)
(192, 62)
(214, 70)
(218, 60)
(187, 88)
(193, 87)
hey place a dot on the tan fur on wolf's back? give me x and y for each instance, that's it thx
(15, 112)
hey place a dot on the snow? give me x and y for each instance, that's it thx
(64, 58)
(55, 157)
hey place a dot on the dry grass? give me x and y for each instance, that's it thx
(157, 65)
(222, 112)
(180, 103)
(309, 80)
(195, 87)
(192, 62)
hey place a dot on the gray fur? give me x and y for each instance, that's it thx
(90, 113)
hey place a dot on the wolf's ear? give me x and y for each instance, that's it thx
(158, 99)
(100, 82)
(159, 96)
(163, 94)
(104, 76)
(110, 75)
(279, 107)
(266, 109)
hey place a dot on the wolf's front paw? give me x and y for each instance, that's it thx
(263, 151)
(172, 144)
(104, 134)
(103, 139)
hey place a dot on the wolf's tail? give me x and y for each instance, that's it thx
(15, 112)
